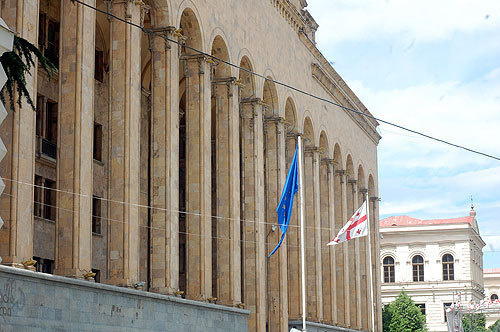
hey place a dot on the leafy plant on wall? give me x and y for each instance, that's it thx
(17, 64)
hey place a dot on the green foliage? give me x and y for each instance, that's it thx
(495, 327)
(476, 321)
(403, 315)
(16, 64)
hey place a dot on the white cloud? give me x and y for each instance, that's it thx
(424, 20)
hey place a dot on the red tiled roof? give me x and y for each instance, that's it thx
(496, 270)
(409, 221)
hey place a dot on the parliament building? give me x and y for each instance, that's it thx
(148, 164)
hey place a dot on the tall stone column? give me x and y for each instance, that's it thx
(277, 264)
(198, 179)
(310, 233)
(227, 187)
(365, 280)
(164, 159)
(348, 282)
(18, 135)
(125, 80)
(333, 257)
(375, 251)
(357, 259)
(76, 124)
(293, 244)
(253, 214)
(327, 255)
(342, 289)
(317, 234)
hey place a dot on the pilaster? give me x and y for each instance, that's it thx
(357, 258)
(227, 189)
(198, 179)
(75, 125)
(164, 159)
(18, 135)
(293, 244)
(124, 122)
(253, 213)
(347, 261)
(365, 279)
(375, 251)
(275, 180)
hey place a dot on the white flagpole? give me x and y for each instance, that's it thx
(370, 267)
(302, 233)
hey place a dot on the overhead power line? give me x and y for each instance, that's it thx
(149, 31)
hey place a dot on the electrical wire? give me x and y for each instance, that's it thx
(150, 31)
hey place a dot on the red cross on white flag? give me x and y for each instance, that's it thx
(357, 226)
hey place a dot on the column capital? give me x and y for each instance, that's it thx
(352, 181)
(224, 80)
(341, 173)
(252, 101)
(292, 134)
(374, 198)
(193, 57)
(363, 191)
(274, 119)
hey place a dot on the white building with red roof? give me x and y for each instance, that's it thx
(492, 291)
(432, 260)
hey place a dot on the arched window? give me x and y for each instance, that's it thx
(389, 269)
(418, 268)
(448, 268)
(494, 297)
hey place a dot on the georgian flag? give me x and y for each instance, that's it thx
(357, 226)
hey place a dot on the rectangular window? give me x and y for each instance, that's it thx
(96, 215)
(99, 65)
(42, 31)
(52, 46)
(445, 306)
(44, 265)
(51, 122)
(49, 200)
(40, 105)
(97, 141)
(421, 306)
(38, 206)
(97, 276)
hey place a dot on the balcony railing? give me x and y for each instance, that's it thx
(47, 148)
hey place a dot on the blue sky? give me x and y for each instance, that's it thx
(433, 66)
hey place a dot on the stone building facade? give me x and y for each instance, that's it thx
(491, 279)
(433, 261)
(146, 161)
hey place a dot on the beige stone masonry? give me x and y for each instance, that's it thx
(277, 289)
(227, 188)
(198, 177)
(293, 242)
(253, 214)
(18, 166)
(164, 154)
(125, 80)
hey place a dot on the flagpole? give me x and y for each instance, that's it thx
(302, 233)
(370, 267)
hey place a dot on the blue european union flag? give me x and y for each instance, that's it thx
(285, 206)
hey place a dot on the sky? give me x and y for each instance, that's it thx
(432, 66)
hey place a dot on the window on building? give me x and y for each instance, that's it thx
(418, 268)
(96, 215)
(421, 306)
(97, 277)
(494, 297)
(44, 198)
(48, 38)
(446, 306)
(97, 141)
(389, 274)
(49, 200)
(448, 268)
(46, 127)
(44, 265)
(99, 65)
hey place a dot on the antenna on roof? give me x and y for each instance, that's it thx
(471, 203)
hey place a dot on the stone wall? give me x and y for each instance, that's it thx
(31, 301)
